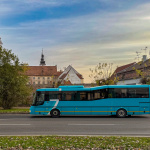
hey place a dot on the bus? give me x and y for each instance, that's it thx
(119, 100)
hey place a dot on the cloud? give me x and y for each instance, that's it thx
(82, 41)
(16, 6)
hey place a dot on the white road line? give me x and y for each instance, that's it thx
(15, 124)
(94, 124)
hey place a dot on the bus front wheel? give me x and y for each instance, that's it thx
(55, 113)
(121, 113)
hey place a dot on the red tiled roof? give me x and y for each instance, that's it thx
(63, 76)
(123, 67)
(42, 71)
(67, 82)
(59, 73)
(80, 76)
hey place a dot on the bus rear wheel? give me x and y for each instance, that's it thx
(55, 113)
(121, 113)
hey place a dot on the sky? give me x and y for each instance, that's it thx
(81, 33)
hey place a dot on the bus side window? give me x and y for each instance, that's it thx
(89, 96)
(67, 96)
(83, 96)
(59, 96)
(97, 94)
(103, 94)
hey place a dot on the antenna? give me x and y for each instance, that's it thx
(137, 55)
(145, 49)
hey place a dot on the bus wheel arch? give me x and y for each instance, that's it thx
(121, 113)
(55, 113)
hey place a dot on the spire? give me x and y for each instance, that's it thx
(0, 42)
(42, 62)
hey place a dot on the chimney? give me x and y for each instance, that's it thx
(144, 58)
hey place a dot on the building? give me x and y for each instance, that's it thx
(42, 76)
(70, 76)
(132, 74)
(47, 76)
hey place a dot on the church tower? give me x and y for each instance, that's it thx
(42, 62)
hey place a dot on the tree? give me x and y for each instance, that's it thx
(101, 74)
(13, 81)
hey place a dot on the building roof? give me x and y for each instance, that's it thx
(67, 70)
(137, 70)
(67, 82)
(42, 71)
(139, 65)
(122, 68)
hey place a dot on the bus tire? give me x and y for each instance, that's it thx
(121, 113)
(55, 113)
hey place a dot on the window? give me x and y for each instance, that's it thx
(55, 95)
(83, 96)
(33, 77)
(44, 78)
(68, 96)
(129, 93)
(38, 77)
(97, 94)
(138, 93)
(38, 82)
(40, 98)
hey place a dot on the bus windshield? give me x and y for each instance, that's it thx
(38, 98)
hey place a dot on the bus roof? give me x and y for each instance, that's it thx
(82, 88)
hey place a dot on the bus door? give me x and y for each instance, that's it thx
(83, 103)
(39, 109)
(67, 103)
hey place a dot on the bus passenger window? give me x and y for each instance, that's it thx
(68, 97)
(97, 94)
(83, 96)
(59, 97)
(89, 96)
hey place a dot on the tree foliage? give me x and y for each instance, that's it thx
(101, 74)
(13, 81)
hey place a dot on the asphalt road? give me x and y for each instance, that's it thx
(24, 124)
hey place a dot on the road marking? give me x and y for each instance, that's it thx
(95, 124)
(15, 124)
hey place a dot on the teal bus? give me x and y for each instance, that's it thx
(119, 100)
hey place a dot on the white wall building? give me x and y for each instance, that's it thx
(70, 76)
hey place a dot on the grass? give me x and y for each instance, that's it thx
(14, 110)
(75, 143)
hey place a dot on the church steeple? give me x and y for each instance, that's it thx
(42, 62)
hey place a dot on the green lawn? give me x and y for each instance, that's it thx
(14, 110)
(73, 142)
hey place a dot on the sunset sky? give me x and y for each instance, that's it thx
(80, 33)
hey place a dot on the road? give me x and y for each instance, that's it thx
(24, 124)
